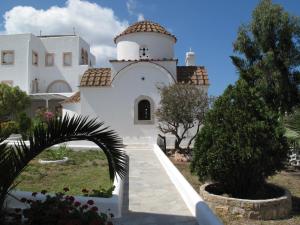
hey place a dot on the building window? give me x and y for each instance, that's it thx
(49, 59)
(84, 57)
(144, 52)
(7, 57)
(144, 110)
(35, 58)
(67, 58)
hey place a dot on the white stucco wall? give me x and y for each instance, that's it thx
(159, 46)
(18, 72)
(23, 72)
(115, 105)
(71, 74)
(71, 109)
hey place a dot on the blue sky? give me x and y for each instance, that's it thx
(209, 27)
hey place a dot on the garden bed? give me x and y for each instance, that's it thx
(289, 179)
(86, 169)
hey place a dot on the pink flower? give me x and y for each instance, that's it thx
(48, 115)
(76, 204)
(71, 198)
(90, 202)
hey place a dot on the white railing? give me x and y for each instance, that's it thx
(194, 202)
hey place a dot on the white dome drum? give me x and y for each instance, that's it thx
(145, 40)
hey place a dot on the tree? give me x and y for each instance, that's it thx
(12, 101)
(14, 159)
(268, 55)
(241, 143)
(182, 107)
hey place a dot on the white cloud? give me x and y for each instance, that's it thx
(96, 24)
(132, 10)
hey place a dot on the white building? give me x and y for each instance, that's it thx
(48, 68)
(125, 95)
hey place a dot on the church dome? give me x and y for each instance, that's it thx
(145, 26)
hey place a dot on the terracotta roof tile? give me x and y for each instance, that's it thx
(96, 77)
(73, 99)
(192, 74)
(145, 26)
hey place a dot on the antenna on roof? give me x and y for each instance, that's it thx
(74, 31)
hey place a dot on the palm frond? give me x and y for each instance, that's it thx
(14, 159)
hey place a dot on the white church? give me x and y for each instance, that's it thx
(125, 95)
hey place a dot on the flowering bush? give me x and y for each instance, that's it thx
(60, 209)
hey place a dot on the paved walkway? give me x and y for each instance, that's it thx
(150, 198)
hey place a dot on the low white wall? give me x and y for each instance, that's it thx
(194, 202)
(106, 205)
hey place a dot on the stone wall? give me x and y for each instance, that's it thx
(275, 208)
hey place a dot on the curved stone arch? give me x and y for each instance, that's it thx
(57, 82)
(152, 110)
(160, 67)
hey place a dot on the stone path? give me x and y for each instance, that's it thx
(150, 198)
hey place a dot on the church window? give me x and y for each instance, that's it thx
(144, 110)
(144, 52)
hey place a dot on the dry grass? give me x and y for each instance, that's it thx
(287, 179)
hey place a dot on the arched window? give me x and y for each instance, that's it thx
(144, 110)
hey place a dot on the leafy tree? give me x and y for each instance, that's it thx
(241, 143)
(12, 101)
(14, 159)
(182, 108)
(268, 55)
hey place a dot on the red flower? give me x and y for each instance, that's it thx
(43, 192)
(66, 189)
(95, 209)
(90, 202)
(71, 198)
(76, 204)
(34, 194)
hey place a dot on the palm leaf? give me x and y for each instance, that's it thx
(14, 159)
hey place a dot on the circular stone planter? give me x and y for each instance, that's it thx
(266, 209)
(65, 159)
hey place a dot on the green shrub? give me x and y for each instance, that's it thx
(241, 144)
(24, 124)
(8, 128)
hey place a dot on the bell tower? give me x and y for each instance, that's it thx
(190, 58)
